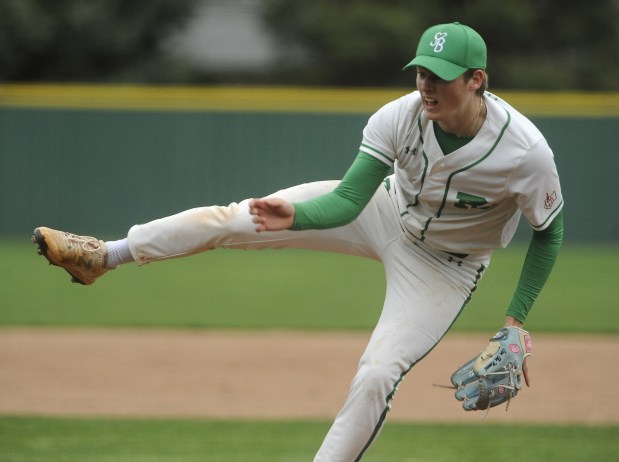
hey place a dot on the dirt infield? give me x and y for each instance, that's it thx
(278, 375)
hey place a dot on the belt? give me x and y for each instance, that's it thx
(416, 240)
(458, 255)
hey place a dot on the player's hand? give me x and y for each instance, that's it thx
(271, 214)
(510, 321)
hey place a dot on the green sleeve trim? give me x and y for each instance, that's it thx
(552, 216)
(387, 158)
(541, 256)
(344, 203)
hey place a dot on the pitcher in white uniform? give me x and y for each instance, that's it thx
(466, 165)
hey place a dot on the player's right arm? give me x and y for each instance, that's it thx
(336, 208)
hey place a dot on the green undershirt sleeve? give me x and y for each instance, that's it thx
(346, 201)
(541, 256)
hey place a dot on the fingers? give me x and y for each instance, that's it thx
(254, 208)
(260, 207)
(271, 214)
(260, 223)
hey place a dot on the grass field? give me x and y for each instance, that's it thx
(290, 290)
(89, 440)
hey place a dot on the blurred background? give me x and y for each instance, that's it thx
(115, 112)
(533, 44)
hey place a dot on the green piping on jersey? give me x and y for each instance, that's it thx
(551, 217)
(452, 174)
(423, 173)
(425, 163)
(423, 177)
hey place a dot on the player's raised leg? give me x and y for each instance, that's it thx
(206, 228)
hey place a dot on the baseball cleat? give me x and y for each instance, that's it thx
(83, 257)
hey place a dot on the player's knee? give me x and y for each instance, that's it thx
(226, 220)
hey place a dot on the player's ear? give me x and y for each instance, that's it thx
(475, 78)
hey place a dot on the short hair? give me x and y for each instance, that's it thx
(484, 84)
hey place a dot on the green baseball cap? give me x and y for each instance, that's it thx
(449, 50)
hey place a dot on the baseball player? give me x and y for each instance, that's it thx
(466, 166)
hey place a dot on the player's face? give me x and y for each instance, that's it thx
(448, 102)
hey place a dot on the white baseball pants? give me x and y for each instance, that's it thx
(426, 290)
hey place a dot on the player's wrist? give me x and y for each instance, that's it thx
(511, 321)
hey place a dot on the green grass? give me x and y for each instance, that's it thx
(89, 440)
(290, 289)
(580, 296)
(300, 290)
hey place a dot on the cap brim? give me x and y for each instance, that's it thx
(444, 69)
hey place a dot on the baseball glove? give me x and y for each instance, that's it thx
(495, 375)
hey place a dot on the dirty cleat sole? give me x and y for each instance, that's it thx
(39, 239)
(82, 257)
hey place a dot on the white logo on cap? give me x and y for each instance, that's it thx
(439, 41)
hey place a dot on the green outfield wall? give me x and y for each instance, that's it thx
(98, 159)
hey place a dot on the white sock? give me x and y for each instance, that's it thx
(117, 253)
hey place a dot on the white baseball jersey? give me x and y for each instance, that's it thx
(465, 202)
(469, 201)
